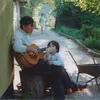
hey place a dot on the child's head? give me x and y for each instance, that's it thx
(42, 14)
(54, 45)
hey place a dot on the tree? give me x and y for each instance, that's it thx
(90, 5)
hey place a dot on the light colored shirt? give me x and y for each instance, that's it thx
(55, 59)
(42, 21)
(20, 38)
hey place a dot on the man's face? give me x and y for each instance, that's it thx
(28, 28)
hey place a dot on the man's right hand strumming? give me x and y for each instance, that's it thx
(32, 50)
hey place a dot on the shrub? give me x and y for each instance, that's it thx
(88, 35)
(69, 31)
(96, 33)
(92, 43)
(86, 30)
(90, 31)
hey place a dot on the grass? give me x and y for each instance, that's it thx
(74, 33)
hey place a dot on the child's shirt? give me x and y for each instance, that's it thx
(55, 59)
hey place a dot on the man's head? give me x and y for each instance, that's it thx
(26, 24)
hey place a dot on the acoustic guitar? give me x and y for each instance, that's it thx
(28, 60)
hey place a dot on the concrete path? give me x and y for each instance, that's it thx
(41, 39)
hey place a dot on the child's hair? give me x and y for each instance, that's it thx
(55, 43)
(42, 14)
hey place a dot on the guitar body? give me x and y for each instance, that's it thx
(27, 60)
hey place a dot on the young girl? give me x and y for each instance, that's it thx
(53, 58)
(52, 55)
(42, 22)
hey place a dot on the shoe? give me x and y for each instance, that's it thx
(79, 87)
(67, 91)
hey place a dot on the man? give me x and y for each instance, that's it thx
(57, 75)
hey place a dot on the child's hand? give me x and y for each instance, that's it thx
(45, 57)
(48, 50)
(49, 62)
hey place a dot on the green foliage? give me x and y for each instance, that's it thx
(92, 43)
(92, 6)
(86, 30)
(96, 33)
(67, 9)
(91, 36)
(90, 19)
(69, 31)
(86, 10)
(91, 39)
(31, 5)
(90, 31)
(89, 13)
(95, 50)
(28, 9)
(35, 3)
(67, 14)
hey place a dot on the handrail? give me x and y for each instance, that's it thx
(72, 57)
(76, 62)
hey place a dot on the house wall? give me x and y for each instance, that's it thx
(16, 15)
(6, 55)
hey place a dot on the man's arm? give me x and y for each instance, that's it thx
(19, 47)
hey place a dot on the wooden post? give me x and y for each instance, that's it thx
(32, 86)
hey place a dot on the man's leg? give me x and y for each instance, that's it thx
(56, 81)
(53, 73)
(65, 79)
(57, 88)
(68, 83)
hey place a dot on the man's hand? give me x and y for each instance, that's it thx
(35, 51)
(32, 50)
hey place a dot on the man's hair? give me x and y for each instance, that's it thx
(55, 43)
(26, 20)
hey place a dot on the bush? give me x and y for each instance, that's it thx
(90, 31)
(88, 35)
(86, 30)
(90, 19)
(96, 33)
(92, 43)
(69, 31)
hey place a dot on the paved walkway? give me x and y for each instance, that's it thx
(41, 39)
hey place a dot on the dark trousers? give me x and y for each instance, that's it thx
(66, 81)
(58, 75)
